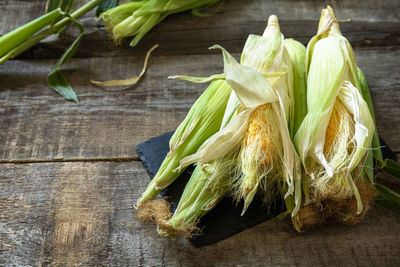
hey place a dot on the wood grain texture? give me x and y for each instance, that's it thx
(39, 124)
(69, 200)
(81, 214)
(373, 24)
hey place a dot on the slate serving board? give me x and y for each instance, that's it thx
(224, 220)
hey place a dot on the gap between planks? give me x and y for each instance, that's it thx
(25, 161)
(121, 159)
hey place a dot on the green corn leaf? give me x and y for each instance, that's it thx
(391, 167)
(388, 199)
(56, 79)
(377, 152)
(106, 5)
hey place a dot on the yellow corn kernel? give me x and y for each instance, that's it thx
(259, 130)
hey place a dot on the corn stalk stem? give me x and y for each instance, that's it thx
(49, 31)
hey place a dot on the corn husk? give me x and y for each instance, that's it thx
(338, 129)
(297, 54)
(375, 151)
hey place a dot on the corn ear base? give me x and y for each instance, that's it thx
(198, 198)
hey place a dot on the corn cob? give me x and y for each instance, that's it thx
(260, 135)
(254, 87)
(334, 137)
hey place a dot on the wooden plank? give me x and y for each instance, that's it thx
(373, 24)
(16, 13)
(81, 213)
(37, 124)
(24, 204)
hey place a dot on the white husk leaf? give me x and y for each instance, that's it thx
(364, 123)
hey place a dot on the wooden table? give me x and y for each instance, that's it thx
(69, 174)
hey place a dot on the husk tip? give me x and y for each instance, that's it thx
(216, 46)
(273, 20)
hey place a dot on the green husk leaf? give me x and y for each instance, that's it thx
(56, 79)
(297, 54)
(377, 152)
(364, 123)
